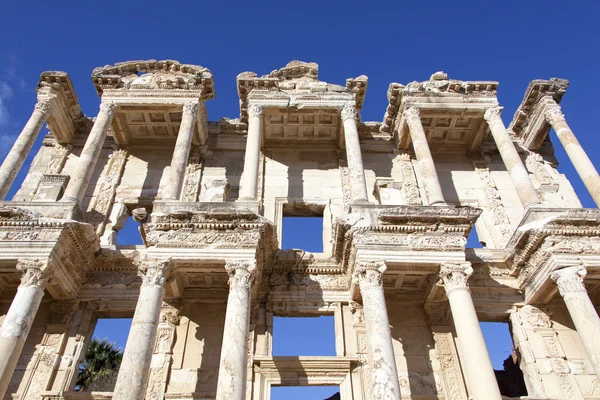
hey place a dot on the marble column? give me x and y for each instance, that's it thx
(20, 316)
(18, 153)
(133, 377)
(384, 374)
(234, 350)
(514, 165)
(356, 170)
(584, 167)
(476, 361)
(89, 155)
(582, 311)
(249, 182)
(429, 175)
(181, 153)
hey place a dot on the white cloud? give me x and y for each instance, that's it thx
(6, 93)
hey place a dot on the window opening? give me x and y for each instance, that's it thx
(99, 369)
(304, 336)
(305, 392)
(129, 235)
(505, 358)
(304, 233)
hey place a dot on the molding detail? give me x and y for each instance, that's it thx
(154, 272)
(368, 274)
(241, 272)
(455, 276)
(570, 279)
(35, 272)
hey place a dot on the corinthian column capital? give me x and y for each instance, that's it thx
(154, 272)
(368, 274)
(190, 108)
(412, 116)
(44, 107)
(255, 111)
(35, 272)
(554, 115)
(349, 111)
(108, 107)
(455, 275)
(492, 114)
(570, 279)
(241, 272)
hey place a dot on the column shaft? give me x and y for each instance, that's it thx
(181, 152)
(20, 316)
(89, 155)
(234, 350)
(582, 311)
(435, 196)
(481, 380)
(582, 163)
(19, 151)
(356, 170)
(249, 183)
(384, 374)
(134, 372)
(518, 174)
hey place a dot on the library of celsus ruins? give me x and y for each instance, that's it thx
(397, 200)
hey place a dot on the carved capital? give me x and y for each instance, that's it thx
(412, 116)
(368, 274)
(108, 107)
(492, 114)
(190, 108)
(570, 279)
(35, 272)
(349, 111)
(255, 111)
(455, 276)
(154, 272)
(45, 107)
(554, 115)
(241, 272)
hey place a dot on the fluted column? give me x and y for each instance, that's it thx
(249, 183)
(429, 175)
(582, 163)
(582, 311)
(132, 380)
(514, 165)
(384, 374)
(89, 155)
(181, 153)
(482, 382)
(20, 316)
(234, 350)
(356, 170)
(19, 151)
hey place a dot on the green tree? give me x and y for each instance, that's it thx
(99, 370)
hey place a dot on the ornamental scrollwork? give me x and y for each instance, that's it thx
(554, 115)
(255, 111)
(455, 276)
(369, 274)
(241, 273)
(154, 272)
(349, 111)
(35, 272)
(570, 279)
(190, 108)
(492, 114)
(45, 107)
(412, 116)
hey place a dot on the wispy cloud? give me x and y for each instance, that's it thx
(9, 80)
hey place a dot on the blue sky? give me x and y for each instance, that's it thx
(512, 42)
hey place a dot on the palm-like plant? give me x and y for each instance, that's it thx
(100, 366)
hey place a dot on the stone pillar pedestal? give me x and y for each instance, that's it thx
(582, 311)
(518, 174)
(358, 185)
(18, 153)
(90, 153)
(234, 350)
(181, 153)
(20, 316)
(481, 380)
(384, 374)
(249, 182)
(429, 175)
(132, 380)
(584, 167)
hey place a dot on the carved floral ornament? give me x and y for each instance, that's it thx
(455, 276)
(45, 107)
(492, 114)
(554, 115)
(349, 111)
(35, 272)
(255, 111)
(108, 107)
(241, 272)
(190, 108)
(368, 274)
(570, 279)
(412, 116)
(154, 272)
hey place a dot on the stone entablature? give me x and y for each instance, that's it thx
(399, 198)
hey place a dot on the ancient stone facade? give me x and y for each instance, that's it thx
(398, 199)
